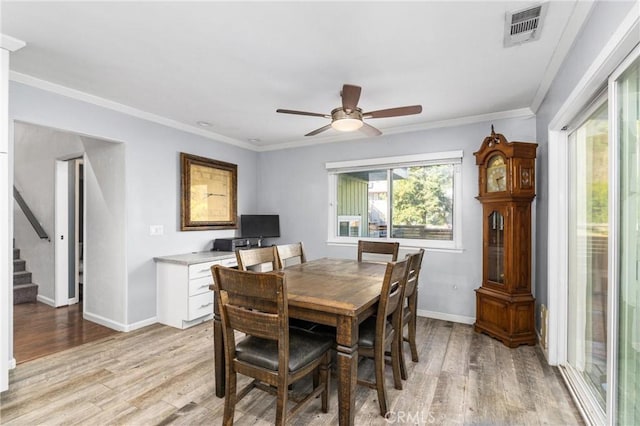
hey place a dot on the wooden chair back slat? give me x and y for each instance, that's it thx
(253, 322)
(290, 251)
(257, 256)
(378, 247)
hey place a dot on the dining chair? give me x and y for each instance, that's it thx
(378, 247)
(383, 330)
(257, 258)
(286, 252)
(274, 355)
(410, 309)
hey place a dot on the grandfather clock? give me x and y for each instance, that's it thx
(504, 305)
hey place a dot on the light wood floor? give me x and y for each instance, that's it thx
(160, 375)
(40, 330)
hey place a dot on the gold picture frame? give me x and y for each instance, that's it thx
(208, 194)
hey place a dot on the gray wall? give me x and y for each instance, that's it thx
(151, 168)
(604, 19)
(294, 183)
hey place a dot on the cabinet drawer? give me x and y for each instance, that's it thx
(200, 305)
(201, 270)
(200, 285)
(229, 263)
(204, 269)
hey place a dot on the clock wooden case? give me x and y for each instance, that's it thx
(504, 305)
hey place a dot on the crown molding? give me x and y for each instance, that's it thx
(115, 106)
(10, 43)
(134, 112)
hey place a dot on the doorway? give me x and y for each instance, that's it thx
(94, 284)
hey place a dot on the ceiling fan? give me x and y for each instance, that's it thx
(349, 117)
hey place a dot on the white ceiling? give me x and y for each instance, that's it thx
(234, 64)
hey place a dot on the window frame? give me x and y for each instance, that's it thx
(454, 158)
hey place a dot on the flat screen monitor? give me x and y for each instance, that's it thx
(260, 225)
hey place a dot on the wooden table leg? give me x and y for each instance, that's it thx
(347, 347)
(218, 350)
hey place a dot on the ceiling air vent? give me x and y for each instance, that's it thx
(523, 25)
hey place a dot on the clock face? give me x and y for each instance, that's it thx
(496, 174)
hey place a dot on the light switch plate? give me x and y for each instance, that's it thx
(156, 230)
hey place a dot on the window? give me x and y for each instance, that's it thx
(410, 198)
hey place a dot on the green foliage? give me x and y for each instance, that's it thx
(424, 197)
(597, 211)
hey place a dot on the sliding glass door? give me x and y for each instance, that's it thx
(602, 363)
(627, 107)
(588, 252)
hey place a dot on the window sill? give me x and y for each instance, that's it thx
(403, 245)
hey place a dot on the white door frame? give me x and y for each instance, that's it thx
(61, 234)
(7, 45)
(76, 223)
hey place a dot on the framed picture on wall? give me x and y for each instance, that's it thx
(208, 194)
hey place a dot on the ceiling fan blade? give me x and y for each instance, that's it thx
(394, 112)
(350, 96)
(312, 114)
(369, 130)
(320, 130)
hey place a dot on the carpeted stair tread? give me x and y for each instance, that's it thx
(25, 293)
(19, 265)
(21, 277)
(16, 253)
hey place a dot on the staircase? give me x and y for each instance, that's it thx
(24, 291)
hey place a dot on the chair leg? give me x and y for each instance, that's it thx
(403, 365)
(325, 378)
(379, 370)
(413, 305)
(229, 397)
(281, 404)
(396, 354)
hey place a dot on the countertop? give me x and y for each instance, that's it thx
(196, 257)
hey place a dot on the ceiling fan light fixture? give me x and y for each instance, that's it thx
(346, 121)
(347, 124)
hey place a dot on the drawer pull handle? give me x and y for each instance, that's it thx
(205, 286)
(208, 304)
(205, 270)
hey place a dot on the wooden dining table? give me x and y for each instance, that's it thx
(337, 292)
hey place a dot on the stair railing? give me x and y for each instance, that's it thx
(30, 216)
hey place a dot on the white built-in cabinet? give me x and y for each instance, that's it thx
(183, 281)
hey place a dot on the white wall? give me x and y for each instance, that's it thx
(294, 183)
(152, 184)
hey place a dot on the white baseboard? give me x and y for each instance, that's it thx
(12, 363)
(105, 321)
(46, 300)
(117, 325)
(446, 317)
(140, 324)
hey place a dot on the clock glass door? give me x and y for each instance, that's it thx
(496, 248)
